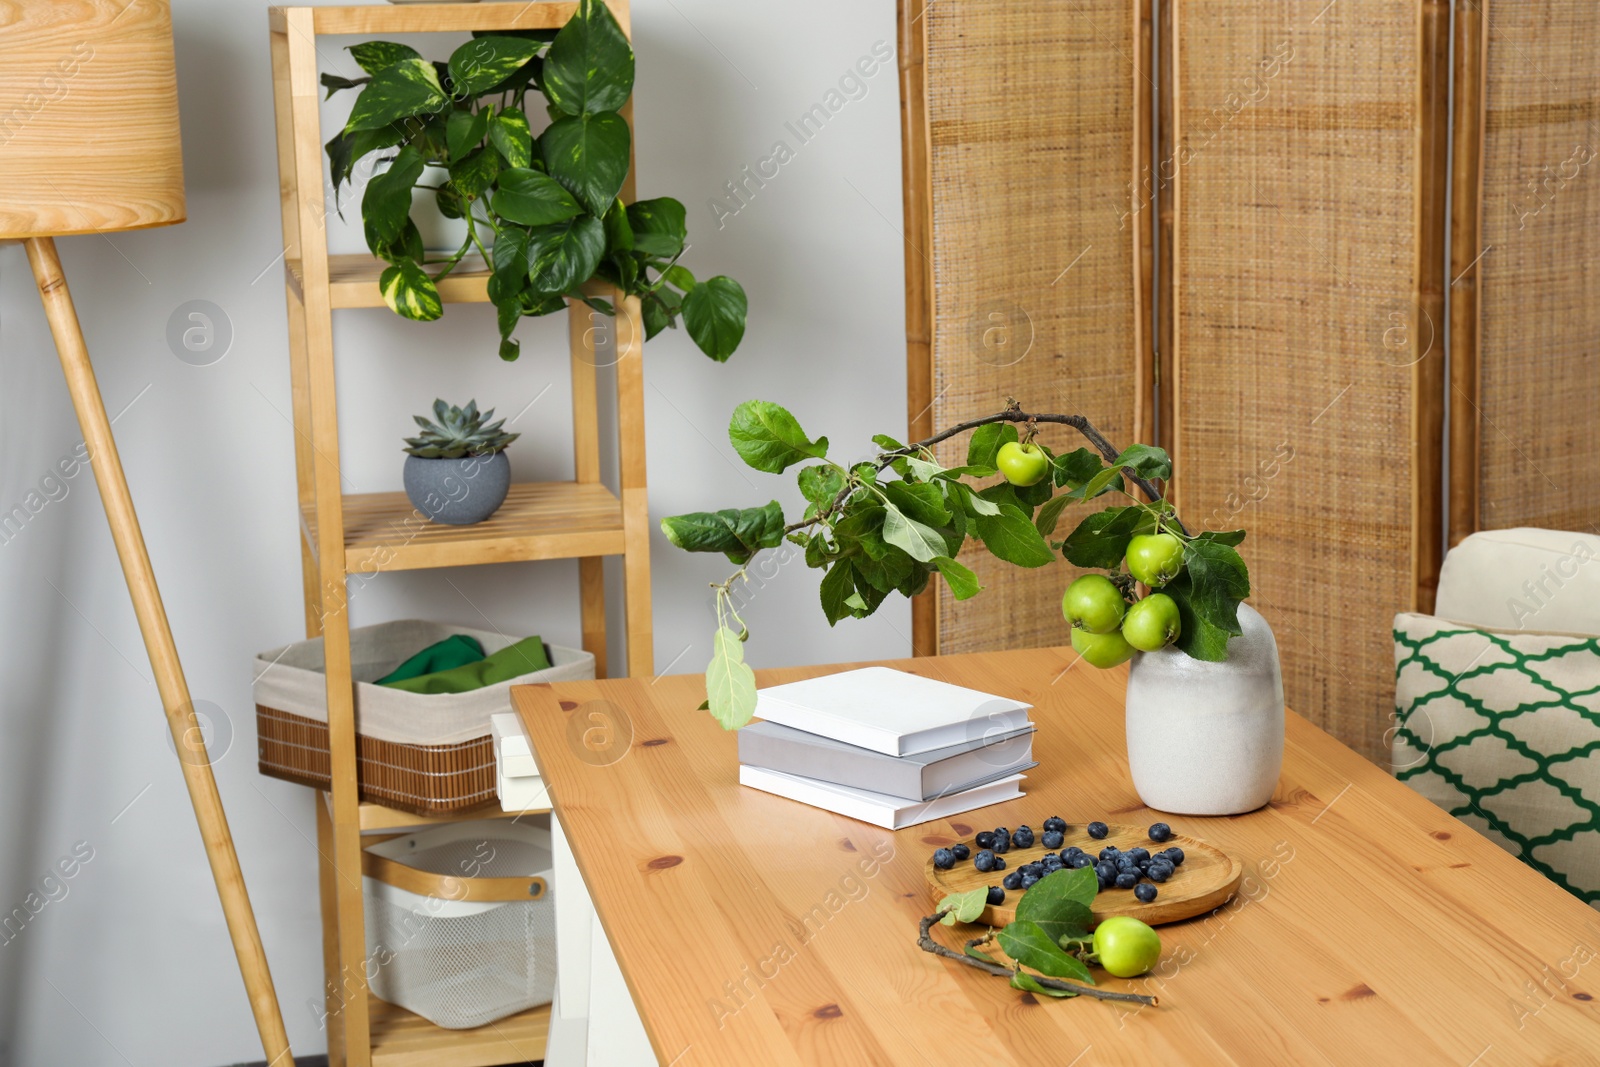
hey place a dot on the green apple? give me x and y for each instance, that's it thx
(1102, 650)
(1022, 464)
(1093, 603)
(1155, 559)
(1126, 946)
(1152, 623)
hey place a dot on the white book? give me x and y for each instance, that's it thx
(520, 794)
(879, 809)
(890, 711)
(512, 756)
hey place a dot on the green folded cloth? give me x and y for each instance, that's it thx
(510, 662)
(457, 650)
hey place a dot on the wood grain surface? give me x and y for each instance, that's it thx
(1370, 926)
(1207, 878)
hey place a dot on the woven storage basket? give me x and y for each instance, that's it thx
(461, 922)
(429, 755)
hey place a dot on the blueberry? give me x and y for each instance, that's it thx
(1098, 830)
(1002, 839)
(999, 863)
(1023, 837)
(1110, 852)
(1052, 864)
(1144, 891)
(1029, 880)
(1052, 839)
(1127, 879)
(986, 839)
(1160, 832)
(1012, 880)
(996, 895)
(1071, 851)
(1106, 872)
(1175, 854)
(984, 860)
(1139, 854)
(962, 851)
(1160, 870)
(1036, 869)
(1079, 861)
(944, 859)
(1057, 824)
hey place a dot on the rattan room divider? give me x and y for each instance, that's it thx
(1525, 265)
(1299, 170)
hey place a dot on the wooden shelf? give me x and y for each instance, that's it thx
(401, 1039)
(353, 281)
(539, 520)
(378, 817)
(425, 18)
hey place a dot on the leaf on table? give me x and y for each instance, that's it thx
(1030, 946)
(964, 907)
(1029, 984)
(1059, 903)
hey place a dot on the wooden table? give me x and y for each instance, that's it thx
(1371, 927)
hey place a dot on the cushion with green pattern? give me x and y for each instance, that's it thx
(1501, 728)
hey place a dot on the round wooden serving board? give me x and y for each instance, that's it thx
(1206, 880)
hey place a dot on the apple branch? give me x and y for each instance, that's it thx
(926, 942)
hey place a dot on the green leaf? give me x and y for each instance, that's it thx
(679, 275)
(373, 56)
(738, 533)
(986, 441)
(837, 586)
(919, 501)
(1059, 903)
(510, 277)
(975, 954)
(464, 130)
(1197, 636)
(1012, 537)
(386, 204)
(619, 235)
(485, 62)
(409, 87)
(565, 255)
(1050, 514)
(820, 483)
(589, 68)
(964, 907)
(1216, 581)
(1221, 537)
(509, 133)
(1109, 479)
(1101, 540)
(1029, 984)
(1030, 946)
(589, 155)
(923, 469)
(730, 683)
(409, 291)
(334, 83)
(1147, 461)
(660, 226)
(962, 582)
(345, 150)
(532, 198)
(770, 439)
(917, 540)
(714, 312)
(887, 443)
(472, 175)
(974, 504)
(1076, 467)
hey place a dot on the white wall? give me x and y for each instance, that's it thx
(132, 965)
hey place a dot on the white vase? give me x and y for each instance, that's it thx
(1207, 738)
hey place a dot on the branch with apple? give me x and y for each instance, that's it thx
(890, 523)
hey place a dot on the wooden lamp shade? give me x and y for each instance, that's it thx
(88, 117)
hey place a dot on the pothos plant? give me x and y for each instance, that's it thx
(888, 524)
(548, 202)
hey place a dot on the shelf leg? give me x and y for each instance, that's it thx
(163, 652)
(328, 892)
(635, 495)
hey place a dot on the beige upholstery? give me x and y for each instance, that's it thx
(1523, 579)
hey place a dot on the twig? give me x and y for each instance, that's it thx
(926, 942)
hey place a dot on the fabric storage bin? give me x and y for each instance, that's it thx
(461, 921)
(425, 754)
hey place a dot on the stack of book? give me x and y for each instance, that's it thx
(886, 747)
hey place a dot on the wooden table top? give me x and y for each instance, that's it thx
(1371, 927)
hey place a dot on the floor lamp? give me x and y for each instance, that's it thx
(90, 146)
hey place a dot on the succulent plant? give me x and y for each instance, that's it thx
(459, 432)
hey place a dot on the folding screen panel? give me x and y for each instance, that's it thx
(1306, 351)
(1526, 267)
(1027, 248)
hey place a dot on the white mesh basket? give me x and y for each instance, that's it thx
(461, 921)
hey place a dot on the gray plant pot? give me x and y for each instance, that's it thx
(458, 492)
(1207, 738)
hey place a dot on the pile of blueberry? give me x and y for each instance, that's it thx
(1114, 867)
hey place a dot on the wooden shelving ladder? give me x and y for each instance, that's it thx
(363, 533)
